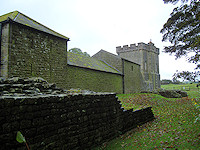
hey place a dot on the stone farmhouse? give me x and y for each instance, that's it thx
(29, 48)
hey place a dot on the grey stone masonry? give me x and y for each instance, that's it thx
(146, 55)
(73, 121)
(134, 47)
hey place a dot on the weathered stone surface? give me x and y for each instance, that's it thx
(64, 121)
(32, 86)
(182, 93)
(169, 93)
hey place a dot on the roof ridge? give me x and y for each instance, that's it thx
(110, 65)
(39, 23)
(108, 53)
(15, 15)
(8, 15)
(90, 62)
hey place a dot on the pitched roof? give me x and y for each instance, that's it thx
(107, 53)
(18, 17)
(99, 56)
(89, 62)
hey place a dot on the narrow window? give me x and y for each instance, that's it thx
(132, 68)
(145, 65)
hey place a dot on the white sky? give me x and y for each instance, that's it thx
(93, 25)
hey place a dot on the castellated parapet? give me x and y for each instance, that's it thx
(147, 56)
(140, 46)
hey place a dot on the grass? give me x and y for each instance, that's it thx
(185, 87)
(173, 128)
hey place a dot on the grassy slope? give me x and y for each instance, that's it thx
(186, 87)
(173, 127)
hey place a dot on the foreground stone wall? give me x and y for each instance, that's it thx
(65, 121)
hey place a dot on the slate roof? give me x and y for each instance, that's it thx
(89, 62)
(111, 54)
(18, 17)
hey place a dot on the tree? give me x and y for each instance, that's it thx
(186, 75)
(175, 81)
(174, 1)
(166, 81)
(182, 30)
(79, 51)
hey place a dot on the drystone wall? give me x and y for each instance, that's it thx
(63, 121)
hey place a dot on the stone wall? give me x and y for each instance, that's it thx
(110, 59)
(27, 52)
(132, 81)
(147, 56)
(62, 121)
(65, 121)
(132, 78)
(94, 80)
(4, 50)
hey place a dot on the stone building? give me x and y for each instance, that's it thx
(89, 73)
(146, 55)
(29, 48)
(132, 77)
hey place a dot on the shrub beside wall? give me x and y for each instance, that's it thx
(65, 121)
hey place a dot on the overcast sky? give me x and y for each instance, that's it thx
(93, 25)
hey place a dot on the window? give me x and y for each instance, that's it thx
(145, 65)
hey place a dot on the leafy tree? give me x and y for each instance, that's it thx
(165, 81)
(79, 51)
(175, 81)
(186, 75)
(174, 1)
(182, 30)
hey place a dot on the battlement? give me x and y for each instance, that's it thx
(140, 46)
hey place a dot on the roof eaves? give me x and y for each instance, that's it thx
(39, 24)
(118, 73)
(130, 61)
(10, 15)
(13, 16)
(90, 63)
(111, 66)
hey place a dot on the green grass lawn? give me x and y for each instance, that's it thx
(185, 87)
(173, 128)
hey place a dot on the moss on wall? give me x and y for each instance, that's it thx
(109, 58)
(94, 80)
(89, 62)
(4, 50)
(35, 53)
(66, 122)
(132, 78)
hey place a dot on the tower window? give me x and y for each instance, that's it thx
(145, 65)
(132, 68)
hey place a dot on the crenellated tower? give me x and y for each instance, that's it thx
(147, 56)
